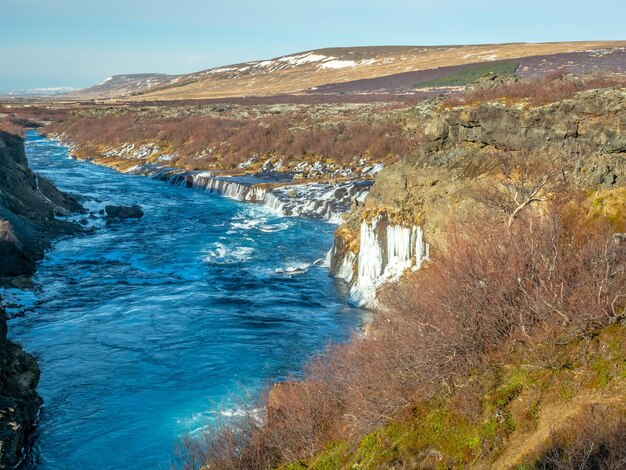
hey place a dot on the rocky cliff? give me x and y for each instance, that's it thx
(29, 206)
(549, 399)
(490, 161)
(19, 402)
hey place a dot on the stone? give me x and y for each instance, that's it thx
(124, 212)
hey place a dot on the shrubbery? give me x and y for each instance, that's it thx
(598, 441)
(553, 87)
(492, 287)
(203, 140)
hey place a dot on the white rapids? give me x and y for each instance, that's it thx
(321, 201)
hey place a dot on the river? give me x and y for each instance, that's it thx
(144, 328)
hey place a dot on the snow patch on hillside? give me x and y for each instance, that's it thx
(293, 61)
(342, 64)
(301, 59)
(484, 55)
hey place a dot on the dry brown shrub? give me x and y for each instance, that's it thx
(551, 88)
(290, 422)
(13, 125)
(597, 441)
(205, 140)
(492, 287)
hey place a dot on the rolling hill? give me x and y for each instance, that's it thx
(397, 69)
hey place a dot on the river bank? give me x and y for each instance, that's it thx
(508, 349)
(29, 207)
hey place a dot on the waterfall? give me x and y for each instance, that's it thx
(346, 270)
(421, 248)
(274, 203)
(230, 189)
(398, 245)
(385, 253)
(312, 200)
(370, 265)
(322, 201)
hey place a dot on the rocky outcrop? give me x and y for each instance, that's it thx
(123, 212)
(594, 118)
(483, 159)
(19, 402)
(472, 151)
(29, 207)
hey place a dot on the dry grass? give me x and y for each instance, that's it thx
(388, 61)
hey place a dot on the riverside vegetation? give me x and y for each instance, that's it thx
(227, 136)
(508, 348)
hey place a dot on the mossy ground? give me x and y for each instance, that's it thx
(503, 417)
(468, 75)
(609, 205)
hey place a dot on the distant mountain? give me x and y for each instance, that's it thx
(51, 91)
(308, 71)
(123, 85)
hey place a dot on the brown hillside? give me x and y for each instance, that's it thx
(308, 70)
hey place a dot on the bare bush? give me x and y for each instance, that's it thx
(549, 89)
(598, 442)
(13, 125)
(204, 141)
(493, 285)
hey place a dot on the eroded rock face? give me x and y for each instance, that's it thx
(457, 168)
(29, 205)
(19, 402)
(477, 158)
(595, 118)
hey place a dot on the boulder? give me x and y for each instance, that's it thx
(124, 212)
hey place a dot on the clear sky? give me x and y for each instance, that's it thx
(81, 42)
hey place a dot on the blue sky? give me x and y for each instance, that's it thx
(81, 42)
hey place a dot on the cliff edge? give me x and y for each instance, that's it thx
(489, 161)
(19, 402)
(29, 205)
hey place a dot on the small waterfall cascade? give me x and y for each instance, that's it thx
(370, 265)
(321, 201)
(386, 251)
(230, 189)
